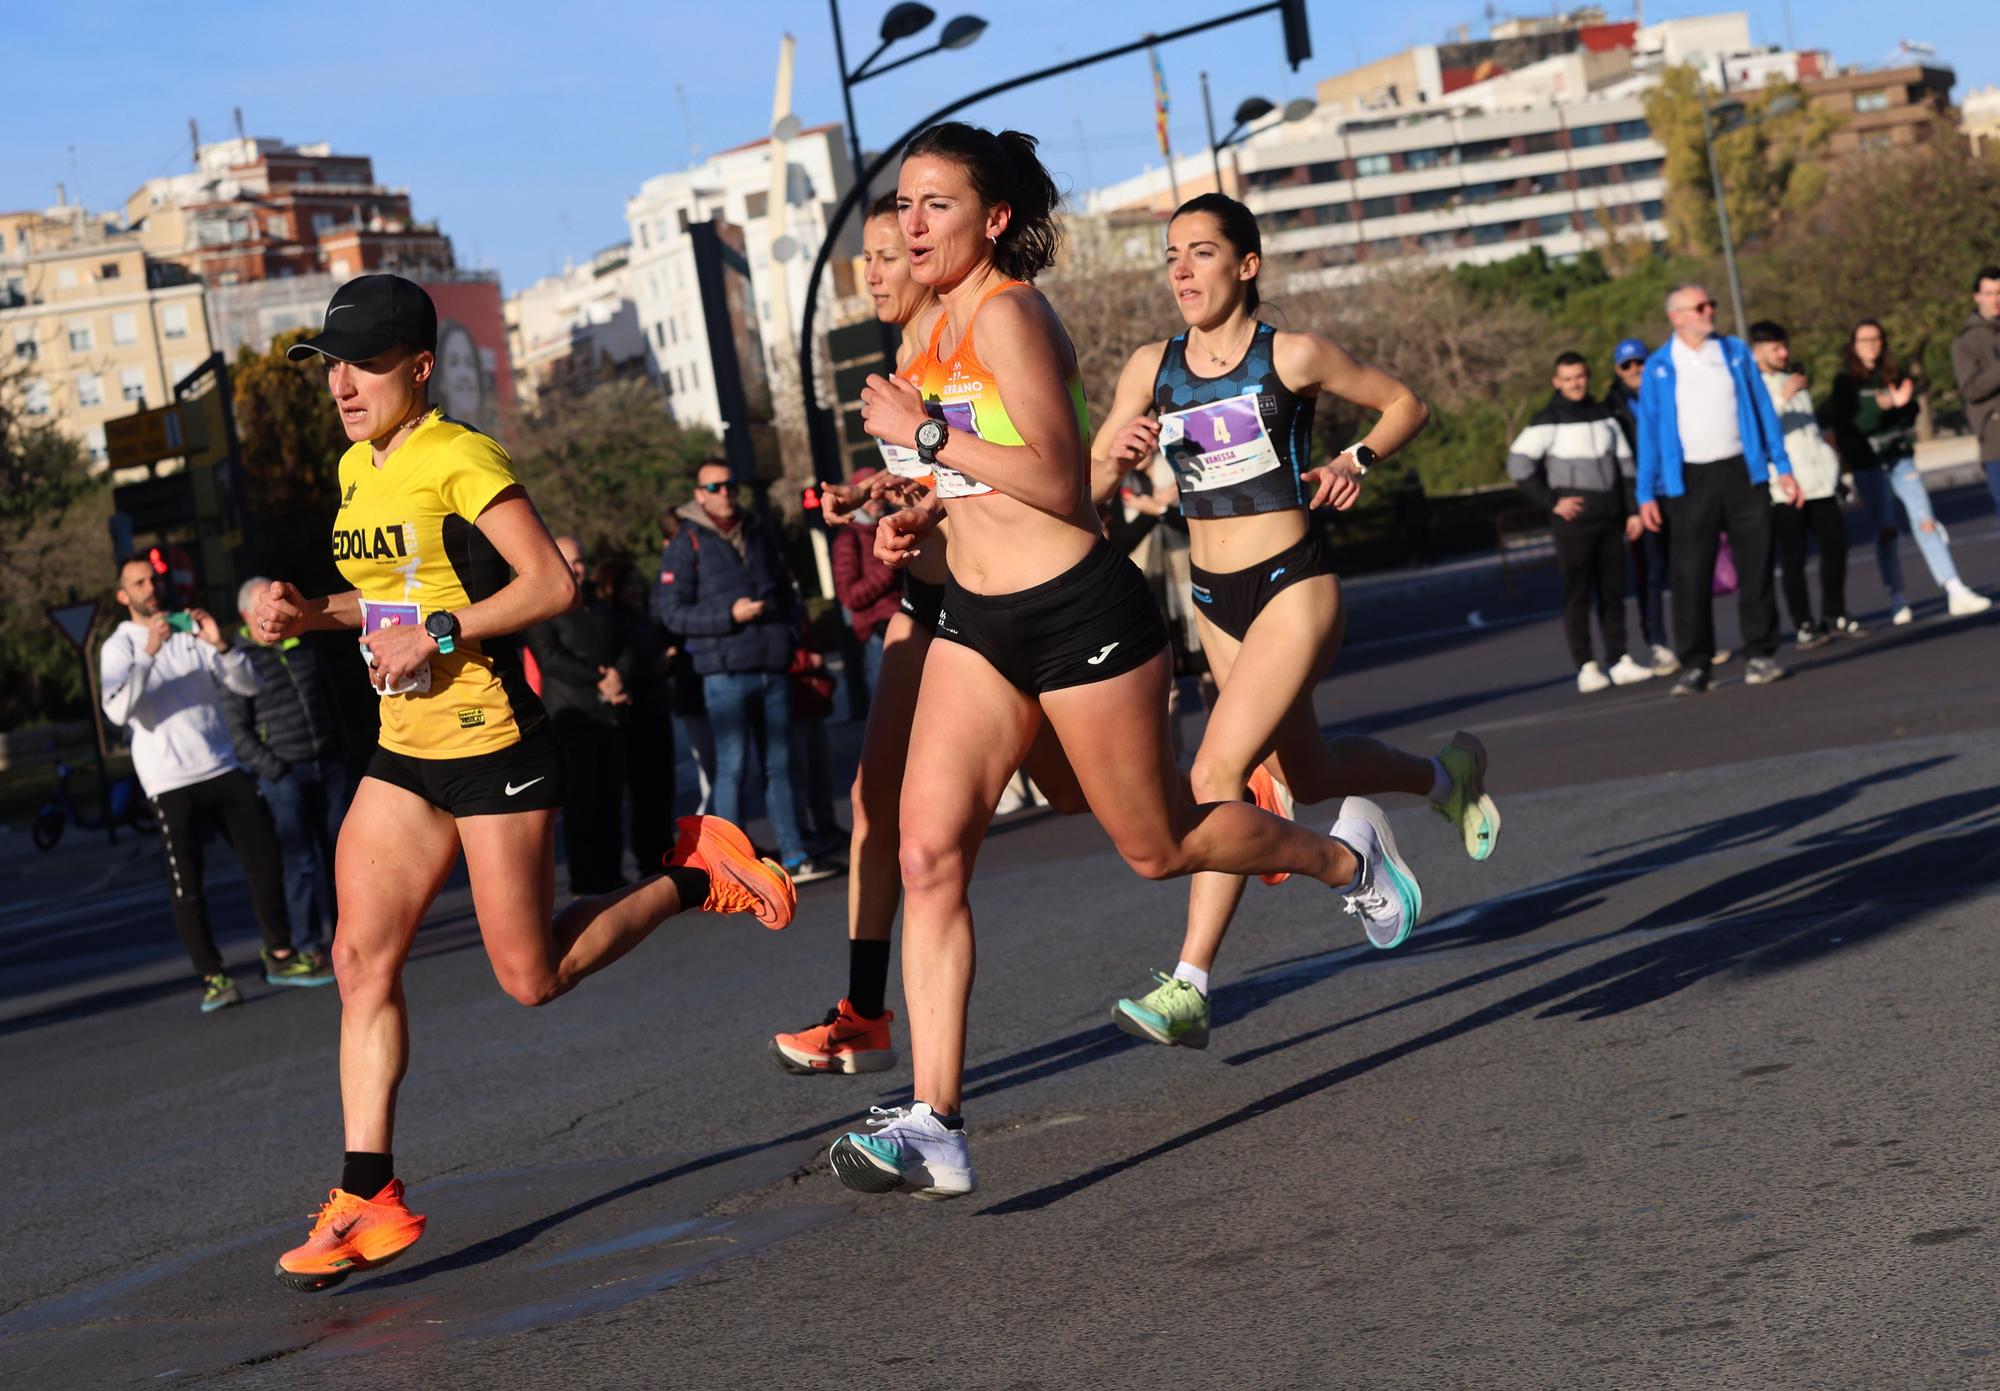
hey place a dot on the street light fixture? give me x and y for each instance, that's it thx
(1726, 116)
(1248, 112)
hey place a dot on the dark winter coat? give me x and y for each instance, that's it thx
(702, 575)
(292, 718)
(572, 646)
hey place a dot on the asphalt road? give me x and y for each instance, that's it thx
(1690, 1085)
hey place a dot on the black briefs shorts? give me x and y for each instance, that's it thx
(921, 601)
(1093, 622)
(526, 777)
(1233, 600)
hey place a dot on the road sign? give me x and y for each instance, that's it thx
(143, 437)
(157, 504)
(75, 620)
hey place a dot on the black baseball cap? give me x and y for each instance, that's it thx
(370, 315)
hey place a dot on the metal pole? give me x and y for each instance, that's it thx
(847, 99)
(1721, 212)
(1214, 150)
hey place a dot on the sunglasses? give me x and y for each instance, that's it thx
(714, 487)
(1631, 362)
(1707, 306)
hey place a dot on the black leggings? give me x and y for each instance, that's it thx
(1822, 519)
(230, 798)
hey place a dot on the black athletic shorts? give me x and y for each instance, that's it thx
(921, 601)
(1233, 600)
(1091, 623)
(525, 777)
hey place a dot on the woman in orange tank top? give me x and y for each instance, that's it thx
(1042, 620)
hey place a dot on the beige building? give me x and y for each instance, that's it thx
(1979, 114)
(1886, 108)
(96, 329)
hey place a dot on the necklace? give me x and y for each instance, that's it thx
(1235, 353)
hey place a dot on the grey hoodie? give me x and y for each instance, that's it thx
(1975, 361)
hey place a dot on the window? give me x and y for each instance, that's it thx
(108, 270)
(1385, 247)
(1875, 140)
(89, 390)
(1485, 149)
(239, 229)
(132, 383)
(1489, 233)
(25, 347)
(659, 335)
(66, 279)
(674, 333)
(1366, 166)
(1432, 198)
(38, 397)
(1652, 209)
(1378, 207)
(755, 205)
(93, 443)
(1644, 169)
(645, 237)
(1430, 159)
(1631, 130)
(323, 223)
(694, 374)
(81, 339)
(1553, 225)
(1593, 178)
(1871, 101)
(124, 328)
(1583, 137)
(174, 318)
(1543, 143)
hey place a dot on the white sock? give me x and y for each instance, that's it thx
(1441, 782)
(1194, 975)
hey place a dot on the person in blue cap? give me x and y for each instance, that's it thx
(1649, 552)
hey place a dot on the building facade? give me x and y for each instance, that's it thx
(581, 325)
(1886, 108)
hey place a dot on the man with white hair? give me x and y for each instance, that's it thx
(289, 734)
(1709, 441)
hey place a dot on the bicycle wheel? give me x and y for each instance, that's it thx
(48, 828)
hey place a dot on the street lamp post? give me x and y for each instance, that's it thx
(1721, 119)
(1248, 111)
(903, 21)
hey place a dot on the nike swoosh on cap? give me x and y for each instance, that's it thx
(336, 309)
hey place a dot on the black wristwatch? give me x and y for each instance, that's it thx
(443, 628)
(931, 436)
(1364, 457)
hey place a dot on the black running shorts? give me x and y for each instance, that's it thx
(525, 777)
(921, 601)
(1232, 601)
(1091, 623)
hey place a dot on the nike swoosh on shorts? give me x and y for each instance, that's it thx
(511, 789)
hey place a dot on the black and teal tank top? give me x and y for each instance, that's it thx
(1237, 443)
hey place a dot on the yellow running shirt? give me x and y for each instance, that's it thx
(404, 538)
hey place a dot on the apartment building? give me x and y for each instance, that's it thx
(1885, 108)
(94, 326)
(582, 324)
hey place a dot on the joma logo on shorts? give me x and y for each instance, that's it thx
(471, 719)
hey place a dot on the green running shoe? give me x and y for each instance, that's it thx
(1174, 1013)
(1468, 807)
(218, 992)
(300, 968)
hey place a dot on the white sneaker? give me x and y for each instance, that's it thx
(1902, 613)
(911, 1150)
(1590, 677)
(1665, 663)
(1627, 672)
(1964, 600)
(1384, 895)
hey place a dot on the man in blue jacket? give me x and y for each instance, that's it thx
(725, 591)
(1707, 440)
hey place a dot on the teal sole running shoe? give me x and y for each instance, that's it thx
(1385, 894)
(1174, 1013)
(1468, 807)
(219, 992)
(300, 968)
(912, 1152)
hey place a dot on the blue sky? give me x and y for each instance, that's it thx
(504, 117)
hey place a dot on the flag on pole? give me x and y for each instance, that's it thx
(1160, 103)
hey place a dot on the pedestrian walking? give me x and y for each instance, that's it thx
(1708, 441)
(1816, 466)
(1975, 361)
(289, 735)
(1873, 411)
(1650, 567)
(1573, 460)
(165, 675)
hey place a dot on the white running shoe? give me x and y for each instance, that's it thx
(1384, 895)
(1964, 600)
(1665, 663)
(910, 1151)
(1590, 678)
(1902, 614)
(1626, 672)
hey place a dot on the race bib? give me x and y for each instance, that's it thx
(376, 616)
(1217, 444)
(903, 462)
(959, 419)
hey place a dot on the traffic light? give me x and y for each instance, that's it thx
(1298, 37)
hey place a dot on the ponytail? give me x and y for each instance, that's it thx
(1239, 228)
(1003, 168)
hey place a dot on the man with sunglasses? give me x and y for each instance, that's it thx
(725, 590)
(1649, 552)
(1708, 439)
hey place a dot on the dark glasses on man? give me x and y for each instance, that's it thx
(1707, 306)
(714, 487)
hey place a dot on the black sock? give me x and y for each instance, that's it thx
(867, 976)
(954, 1121)
(365, 1174)
(691, 884)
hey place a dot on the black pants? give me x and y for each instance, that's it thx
(231, 799)
(1720, 499)
(593, 802)
(1790, 525)
(1590, 553)
(649, 747)
(1650, 572)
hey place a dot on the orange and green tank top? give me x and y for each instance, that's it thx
(960, 391)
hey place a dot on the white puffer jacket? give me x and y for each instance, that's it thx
(1814, 462)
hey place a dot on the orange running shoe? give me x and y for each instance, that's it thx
(738, 882)
(1276, 798)
(841, 1042)
(351, 1235)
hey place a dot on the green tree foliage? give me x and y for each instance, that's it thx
(1768, 167)
(604, 463)
(292, 442)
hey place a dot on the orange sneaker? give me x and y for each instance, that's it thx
(351, 1235)
(738, 882)
(1276, 798)
(842, 1042)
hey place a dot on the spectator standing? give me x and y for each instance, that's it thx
(1817, 468)
(1649, 552)
(648, 718)
(289, 734)
(683, 681)
(1874, 416)
(1574, 461)
(586, 659)
(166, 682)
(1975, 361)
(724, 589)
(1708, 440)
